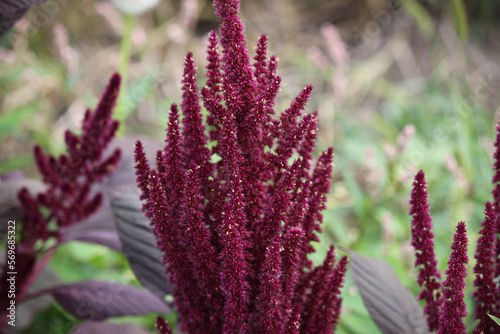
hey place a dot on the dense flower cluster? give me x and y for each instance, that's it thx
(445, 312)
(421, 234)
(235, 210)
(496, 207)
(484, 270)
(68, 197)
(453, 308)
(69, 178)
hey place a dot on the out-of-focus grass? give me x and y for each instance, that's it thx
(410, 80)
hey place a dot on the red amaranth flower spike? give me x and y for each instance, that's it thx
(235, 221)
(270, 300)
(334, 301)
(195, 141)
(67, 198)
(453, 308)
(199, 249)
(484, 269)
(422, 241)
(496, 205)
(162, 326)
(323, 305)
(234, 266)
(69, 177)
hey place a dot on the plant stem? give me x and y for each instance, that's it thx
(125, 52)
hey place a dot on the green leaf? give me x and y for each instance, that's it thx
(9, 122)
(495, 319)
(16, 162)
(420, 15)
(460, 16)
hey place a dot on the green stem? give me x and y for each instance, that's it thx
(460, 14)
(125, 52)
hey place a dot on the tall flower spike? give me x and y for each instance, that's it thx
(270, 301)
(453, 308)
(334, 302)
(496, 206)
(200, 250)
(212, 93)
(236, 60)
(142, 170)
(320, 186)
(195, 141)
(484, 269)
(69, 177)
(214, 75)
(235, 232)
(292, 242)
(67, 198)
(323, 307)
(234, 236)
(421, 234)
(290, 132)
(162, 326)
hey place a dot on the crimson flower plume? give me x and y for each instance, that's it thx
(235, 201)
(453, 308)
(484, 269)
(422, 241)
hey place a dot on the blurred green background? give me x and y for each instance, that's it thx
(399, 86)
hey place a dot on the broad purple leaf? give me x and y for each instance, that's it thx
(13, 6)
(15, 175)
(97, 300)
(390, 304)
(139, 243)
(13, 10)
(96, 230)
(93, 327)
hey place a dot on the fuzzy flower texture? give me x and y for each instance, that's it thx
(445, 307)
(235, 203)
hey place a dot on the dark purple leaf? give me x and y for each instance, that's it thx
(13, 6)
(391, 306)
(9, 19)
(97, 230)
(139, 243)
(94, 235)
(13, 10)
(15, 175)
(97, 300)
(94, 327)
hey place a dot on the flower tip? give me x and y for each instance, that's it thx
(461, 229)
(162, 326)
(116, 80)
(138, 145)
